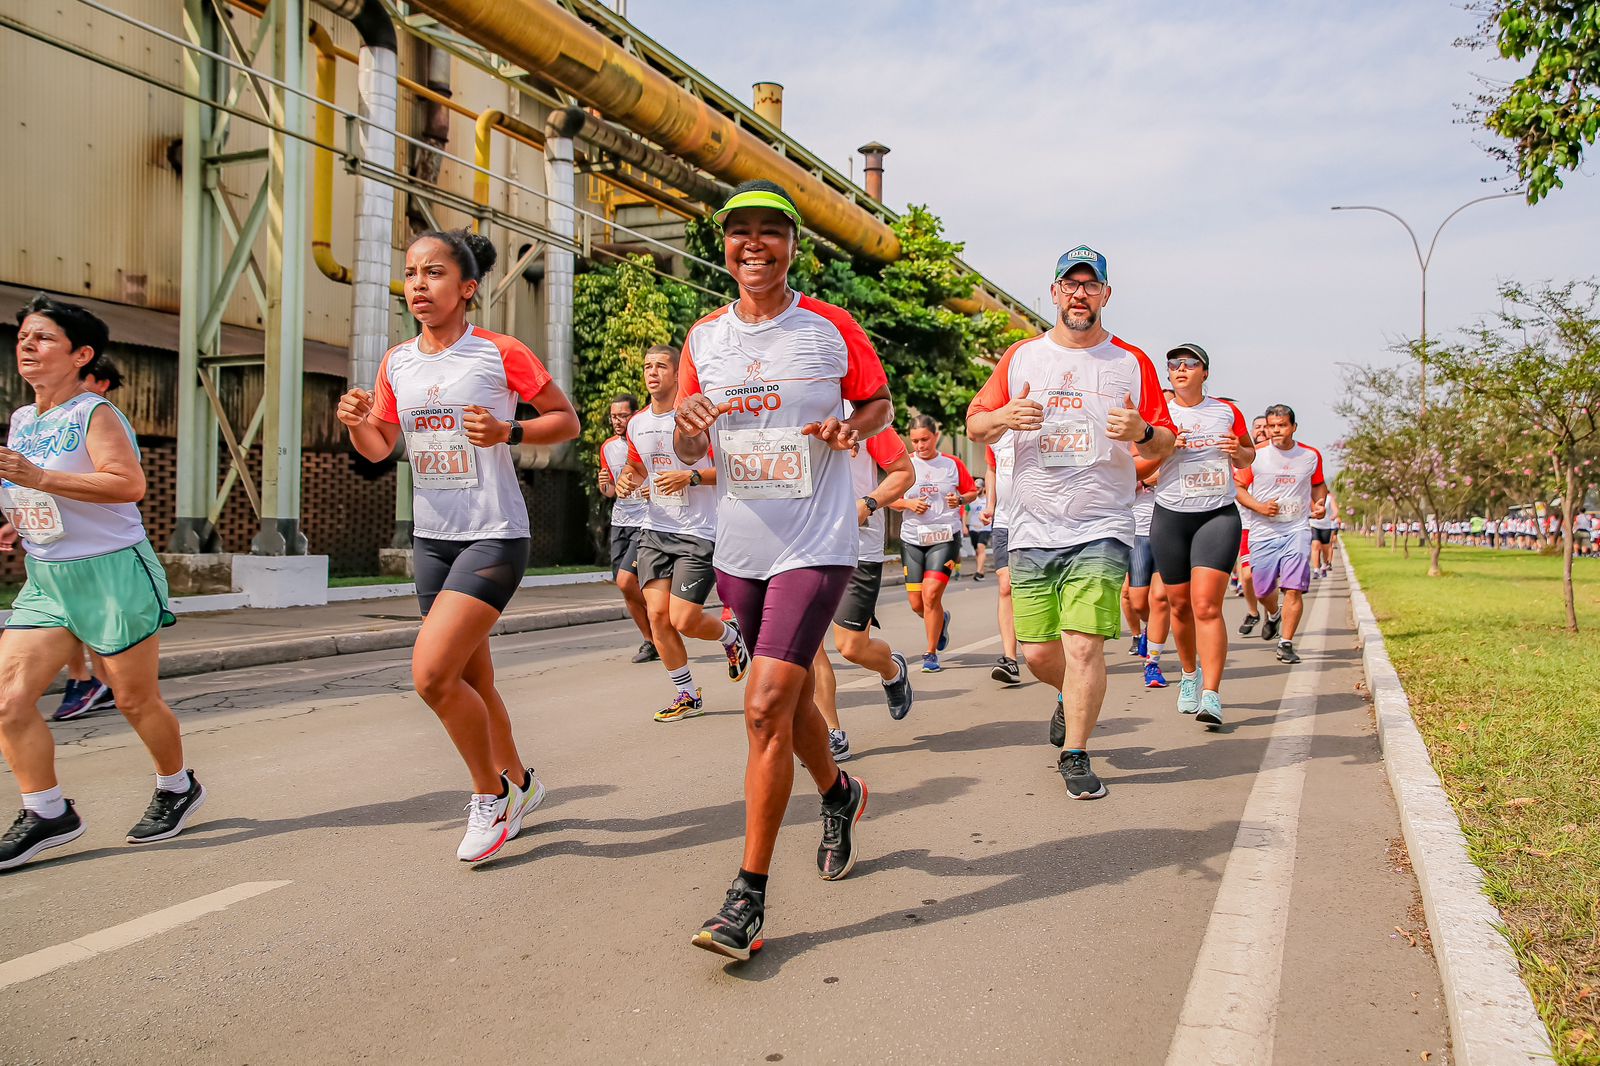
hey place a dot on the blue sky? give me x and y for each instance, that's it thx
(1199, 147)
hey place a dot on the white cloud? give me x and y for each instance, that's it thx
(1199, 147)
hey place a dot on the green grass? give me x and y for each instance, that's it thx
(385, 579)
(8, 594)
(1506, 700)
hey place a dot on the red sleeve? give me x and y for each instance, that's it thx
(1152, 401)
(863, 375)
(688, 376)
(1245, 478)
(990, 454)
(996, 392)
(1240, 429)
(525, 375)
(1316, 475)
(885, 447)
(964, 482)
(383, 401)
(633, 453)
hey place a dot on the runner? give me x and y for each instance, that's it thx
(853, 621)
(1322, 539)
(452, 391)
(979, 527)
(1144, 602)
(1241, 478)
(1076, 400)
(674, 560)
(997, 494)
(71, 482)
(928, 536)
(768, 375)
(627, 521)
(1196, 529)
(1286, 489)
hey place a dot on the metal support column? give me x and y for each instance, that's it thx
(202, 257)
(287, 254)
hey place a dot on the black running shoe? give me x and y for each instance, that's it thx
(738, 655)
(1286, 653)
(836, 855)
(168, 813)
(1248, 624)
(30, 834)
(1058, 725)
(1082, 784)
(735, 931)
(646, 654)
(1271, 626)
(944, 634)
(1005, 671)
(898, 692)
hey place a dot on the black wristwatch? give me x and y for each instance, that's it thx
(872, 504)
(1149, 432)
(516, 433)
(695, 478)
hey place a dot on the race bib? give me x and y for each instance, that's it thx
(1288, 509)
(441, 459)
(1068, 442)
(1200, 478)
(676, 500)
(767, 464)
(34, 514)
(929, 537)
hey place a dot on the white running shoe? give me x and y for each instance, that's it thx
(487, 827)
(524, 803)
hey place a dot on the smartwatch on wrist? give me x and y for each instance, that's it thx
(694, 477)
(872, 504)
(1149, 432)
(516, 434)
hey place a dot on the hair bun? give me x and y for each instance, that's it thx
(482, 249)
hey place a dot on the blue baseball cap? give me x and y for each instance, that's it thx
(1082, 255)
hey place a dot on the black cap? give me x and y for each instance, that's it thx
(1194, 350)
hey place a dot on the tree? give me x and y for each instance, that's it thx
(1538, 364)
(1550, 114)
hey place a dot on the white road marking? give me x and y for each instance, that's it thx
(37, 963)
(1231, 1009)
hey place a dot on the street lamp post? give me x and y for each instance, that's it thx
(1422, 263)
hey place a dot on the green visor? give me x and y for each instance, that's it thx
(758, 198)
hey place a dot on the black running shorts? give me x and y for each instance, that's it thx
(487, 570)
(683, 561)
(857, 609)
(936, 562)
(625, 549)
(1184, 541)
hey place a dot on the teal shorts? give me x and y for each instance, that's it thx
(110, 602)
(1068, 590)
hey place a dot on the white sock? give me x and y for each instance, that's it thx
(46, 804)
(1153, 652)
(178, 782)
(1189, 675)
(729, 634)
(682, 680)
(1284, 642)
(1275, 615)
(900, 675)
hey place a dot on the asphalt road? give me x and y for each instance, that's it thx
(1240, 896)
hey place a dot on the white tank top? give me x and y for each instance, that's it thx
(54, 528)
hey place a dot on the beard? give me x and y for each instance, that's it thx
(1081, 325)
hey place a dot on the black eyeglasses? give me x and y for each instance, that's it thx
(1184, 363)
(1090, 288)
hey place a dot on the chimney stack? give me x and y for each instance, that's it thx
(872, 168)
(767, 99)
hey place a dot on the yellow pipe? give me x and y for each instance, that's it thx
(322, 166)
(484, 125)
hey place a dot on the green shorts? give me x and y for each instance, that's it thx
(1068, 590)
(110, 602)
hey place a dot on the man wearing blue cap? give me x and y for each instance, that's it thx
(1076, 401)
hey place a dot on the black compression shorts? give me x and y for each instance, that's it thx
(1183, 541)
(487, 570)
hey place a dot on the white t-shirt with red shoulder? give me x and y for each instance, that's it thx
(1071, 483)
(785, 500)
(1144, 509)
(1002, 457)
(627, 511)
(1286, 475)
(882, 449)
(1198, 476)
(690, 513)
(937, 478)
(461, 492)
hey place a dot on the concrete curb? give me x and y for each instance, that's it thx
(1492, 1017)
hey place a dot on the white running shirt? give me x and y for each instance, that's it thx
(883, 448)
(785, 501)
(937, 478)
(1144, 509)
(1198, 476)
(1287, 476)
(1072, 484)
(53, 528)
(461, 492)
(1002, 457)
(691, 513)
(626, 511)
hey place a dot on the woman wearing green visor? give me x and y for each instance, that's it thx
(762, 387)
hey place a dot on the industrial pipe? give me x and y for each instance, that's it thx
(559, 260)
(577, 123)
(378, 106)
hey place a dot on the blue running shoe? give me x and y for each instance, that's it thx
(1189, 694)
(944, 635)
(1144, 646)
(930, 664)
(1152, 676)
(1210, 709)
